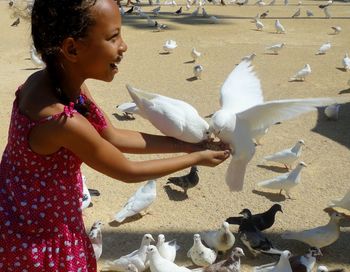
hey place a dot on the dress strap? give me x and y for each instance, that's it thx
(68, 111)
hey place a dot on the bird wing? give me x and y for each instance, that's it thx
(235, 174)
(274, 183)
(241, 89)
(129, 107)
(234, 220)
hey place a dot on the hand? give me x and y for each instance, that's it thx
(212, 158)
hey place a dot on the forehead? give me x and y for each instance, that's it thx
(106, 15)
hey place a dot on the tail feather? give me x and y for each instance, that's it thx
(234, 220)
(235, 174)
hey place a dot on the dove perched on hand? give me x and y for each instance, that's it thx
(282, 265)
(137, 257)
(173, 117)
(318, 237)
(324, 48)
(187, 181)
(219, 240)
(167, 249)
(200, 254)
(287, 156)
(332, 112)
(140, 201)
(302, 74)
(279, 27)
(284, 182)
(95, 236)
(276, 48)
(305, 262)
(160, 264)
(169, 46)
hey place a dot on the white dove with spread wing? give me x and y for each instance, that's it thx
(167, 249)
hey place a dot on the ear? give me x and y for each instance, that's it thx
(69, 49)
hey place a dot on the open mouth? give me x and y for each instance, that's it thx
(114, 65)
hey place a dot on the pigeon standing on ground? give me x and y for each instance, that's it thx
(332, 112)
(259, 25)
(284, 182)
(249, 57)
(130, 10)
(318, 237)
(167, 249)
(16, 22)
(282, 265)
(264, 15)
(306, 262)
(346, 62)
(179, 11)
(337, 29)
(95, 236)
(219, 240)
(324, 48)
(287, 156)
(204, 13)
(262, 221)
(297, 13)
(327, 4)
(197, 71)
(195, 54)
(139, 202)
(187, 181)
(200, 254)
(279, 27)
(302, 74)
(275, 48)
(195, 12)
(327, 13)
(156, 11)
(309, 13)
(323, 268)
(169, 46)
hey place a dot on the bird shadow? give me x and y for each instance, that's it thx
(273, 168)
(31, 69)
(209, 115)
(123, 117)
(189, 62)
(271, 54)
(190, 79)
(175, 195)
(274, 197)
(94, 192)
(296, 80)
(133, 218)
(341, 69)
(345, 91)
(164, 53)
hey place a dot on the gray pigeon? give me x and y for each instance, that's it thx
(187, 181)
(306, 262)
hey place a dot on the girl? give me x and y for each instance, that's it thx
(56, 126)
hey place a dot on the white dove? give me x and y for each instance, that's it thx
(324, 48)
(342, 202)
(243, 112)
(282, 265)
(195, 54)
(36, 59)
(200, 254)
(327, 13)
(249, 57)
(297, 13)
(140, 201)
(318, 237)
(197, 71)
(259, 25)
(169, 46)
(275, 48)
(195, 12)
(284, 182)
(172, 117)
(309, 13)
(287, 156)
(302, 74)
(346, 62)
(137, 257)
(219, 240)
(213, 19)
(95, 236)
(167, 249)
(337, 29)
(332, 112)
(86, 200)
(160, 264)
(279, 27)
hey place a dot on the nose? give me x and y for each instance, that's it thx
(123, 46)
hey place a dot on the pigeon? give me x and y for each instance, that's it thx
(141, 200)
(16, 22)
(259, 25)
(11, 3)
(272, 3)
(160, 264)
(287, 156)
(197, 71)
(130, 10)
(306, 262)
(167, 249)
(282, 265)
(327, 13)
(243, 112)
(179, 11)
(253, 238)
(187, 181)
(129, 109)
(156, 11)
(219, 240)
(121, 11)
(173, 117)
(213, 19)
(318, 237)
(324, 48)
(329, 2)
(284, 182)
(169, 46)
(137, 257)
(297, 13)
(302, 74)
(95, 236)
(332, 112)
(200, 254)
(204, 13)
(195, 12)
(276, 48)
(346, 62)
(323, 268)
(337, 29)
(279, 27)
(264, 15)
(150, 22)
(309, 13)
(159, 26)
(86, 200)
(36, 59)
(343, 202)
(262, 221)
(132, 268)
(249, 57)
(195, 54)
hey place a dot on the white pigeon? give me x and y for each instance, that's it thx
(200, 254)
(137, 257)
(282, 265)
(279, 27)
(243, 112)
(140, 201)
(318, 237)
(276, 48)
(343, 202)
(287, 156)
(95, 236)
(297, 13)
(284, 182)
(86, 200)
(169, 46)
(346, 62)
(259, 25)
(219, 240)
(332, 112)
(213, 19)
(35, 57)
(337, 29)
(160, 264)
(195, 12)
(197, 71)
(156, 11)
(309, 13)
(327, 13)
(302, 73)
(249, 57)
(173, 117)
(195, 54)
(167, 249)
(324, 48)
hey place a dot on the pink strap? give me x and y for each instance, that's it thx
(68, 111)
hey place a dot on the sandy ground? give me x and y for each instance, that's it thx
(223, 45)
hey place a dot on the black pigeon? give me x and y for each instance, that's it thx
(323, 6)
(15, 23)
(187, 181)
(179, 11)
(129, 11)
(253, 238)
(11, 3)
(306, 262)
(262, 221)
(264, 15)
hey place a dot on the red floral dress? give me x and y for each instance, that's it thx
(41, 224)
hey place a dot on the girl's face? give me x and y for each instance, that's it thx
(102, 50)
